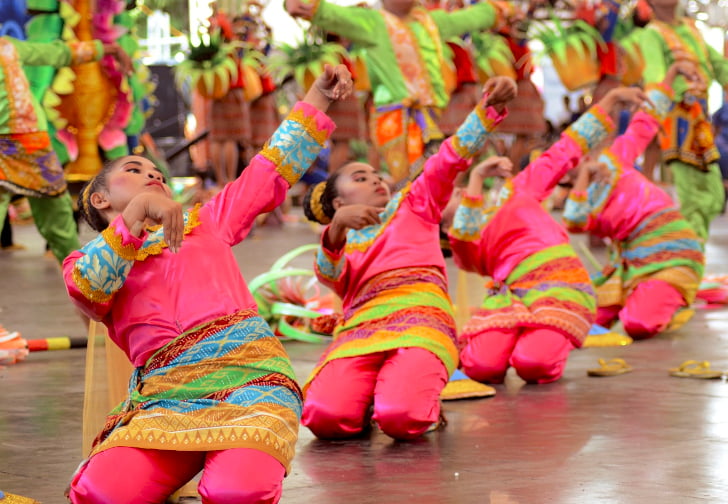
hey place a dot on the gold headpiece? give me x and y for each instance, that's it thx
(85, 196)
(315, 202)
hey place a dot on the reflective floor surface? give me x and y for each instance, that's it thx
(643, 437)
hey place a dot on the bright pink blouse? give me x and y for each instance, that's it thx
(615, 208)
(492, 242)
(408, 235)
(147, 296)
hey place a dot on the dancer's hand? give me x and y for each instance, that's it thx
(596, 171)
(498, 91)
(125, 63)
(351, 217)
(356, 216)
(628, 98)
(297, 8)
(687, 69)
(156, 208)
(333, 84)
(495, 166)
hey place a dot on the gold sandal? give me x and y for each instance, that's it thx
(696, 369)
(612, 367)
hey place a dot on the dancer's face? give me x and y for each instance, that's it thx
(360, 184)
(128, 177)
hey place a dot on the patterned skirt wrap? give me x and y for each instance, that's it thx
(227, 384)
(29, 166)
(551, 289)
(461, 103)
(686, 135)
(401, 134)
(525, 112)
(264, 119)
(663, 247)
(350, 119)
(396, 309)
(230, 118)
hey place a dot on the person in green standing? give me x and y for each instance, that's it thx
(687, 142)
(28, 164)
(404, 55)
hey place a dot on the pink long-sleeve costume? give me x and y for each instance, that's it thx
(541, 303)
(227, 399)
(398, 324)
(657, 261)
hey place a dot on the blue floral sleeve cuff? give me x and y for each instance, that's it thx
(661, 96)
(468, 221)
(591, 128)
(329, 264)
(576, 211)
(297, 141)
(468, 140)
(106, 262)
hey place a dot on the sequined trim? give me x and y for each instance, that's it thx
(88, 291)
(154, 243)
(578, 196)
(590, 129)
(506, 193)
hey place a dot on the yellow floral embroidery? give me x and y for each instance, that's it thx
(97, 296)
(130, 253)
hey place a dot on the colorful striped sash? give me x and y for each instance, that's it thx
(663, 247)
(407, 307)
(550, 289)
(226, 384)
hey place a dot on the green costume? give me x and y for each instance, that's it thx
(28, 164)
(405, 63)
(687, 142)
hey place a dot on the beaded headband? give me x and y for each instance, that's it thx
(315, 202)
(85, 196)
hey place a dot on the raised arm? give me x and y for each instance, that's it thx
(432, 189)
(541, 176)
(646, 122)
(331, 266)
(60, 54)
(361, 25)
(481, 16)
(288, 154)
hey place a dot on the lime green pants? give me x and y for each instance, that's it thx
(54, 219)
(701, 194)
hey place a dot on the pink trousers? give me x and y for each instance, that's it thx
(647, 311)
(404, 386)
(538, 355)
(123, 475)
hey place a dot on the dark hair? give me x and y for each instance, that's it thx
(92, 215)
(325, 201)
